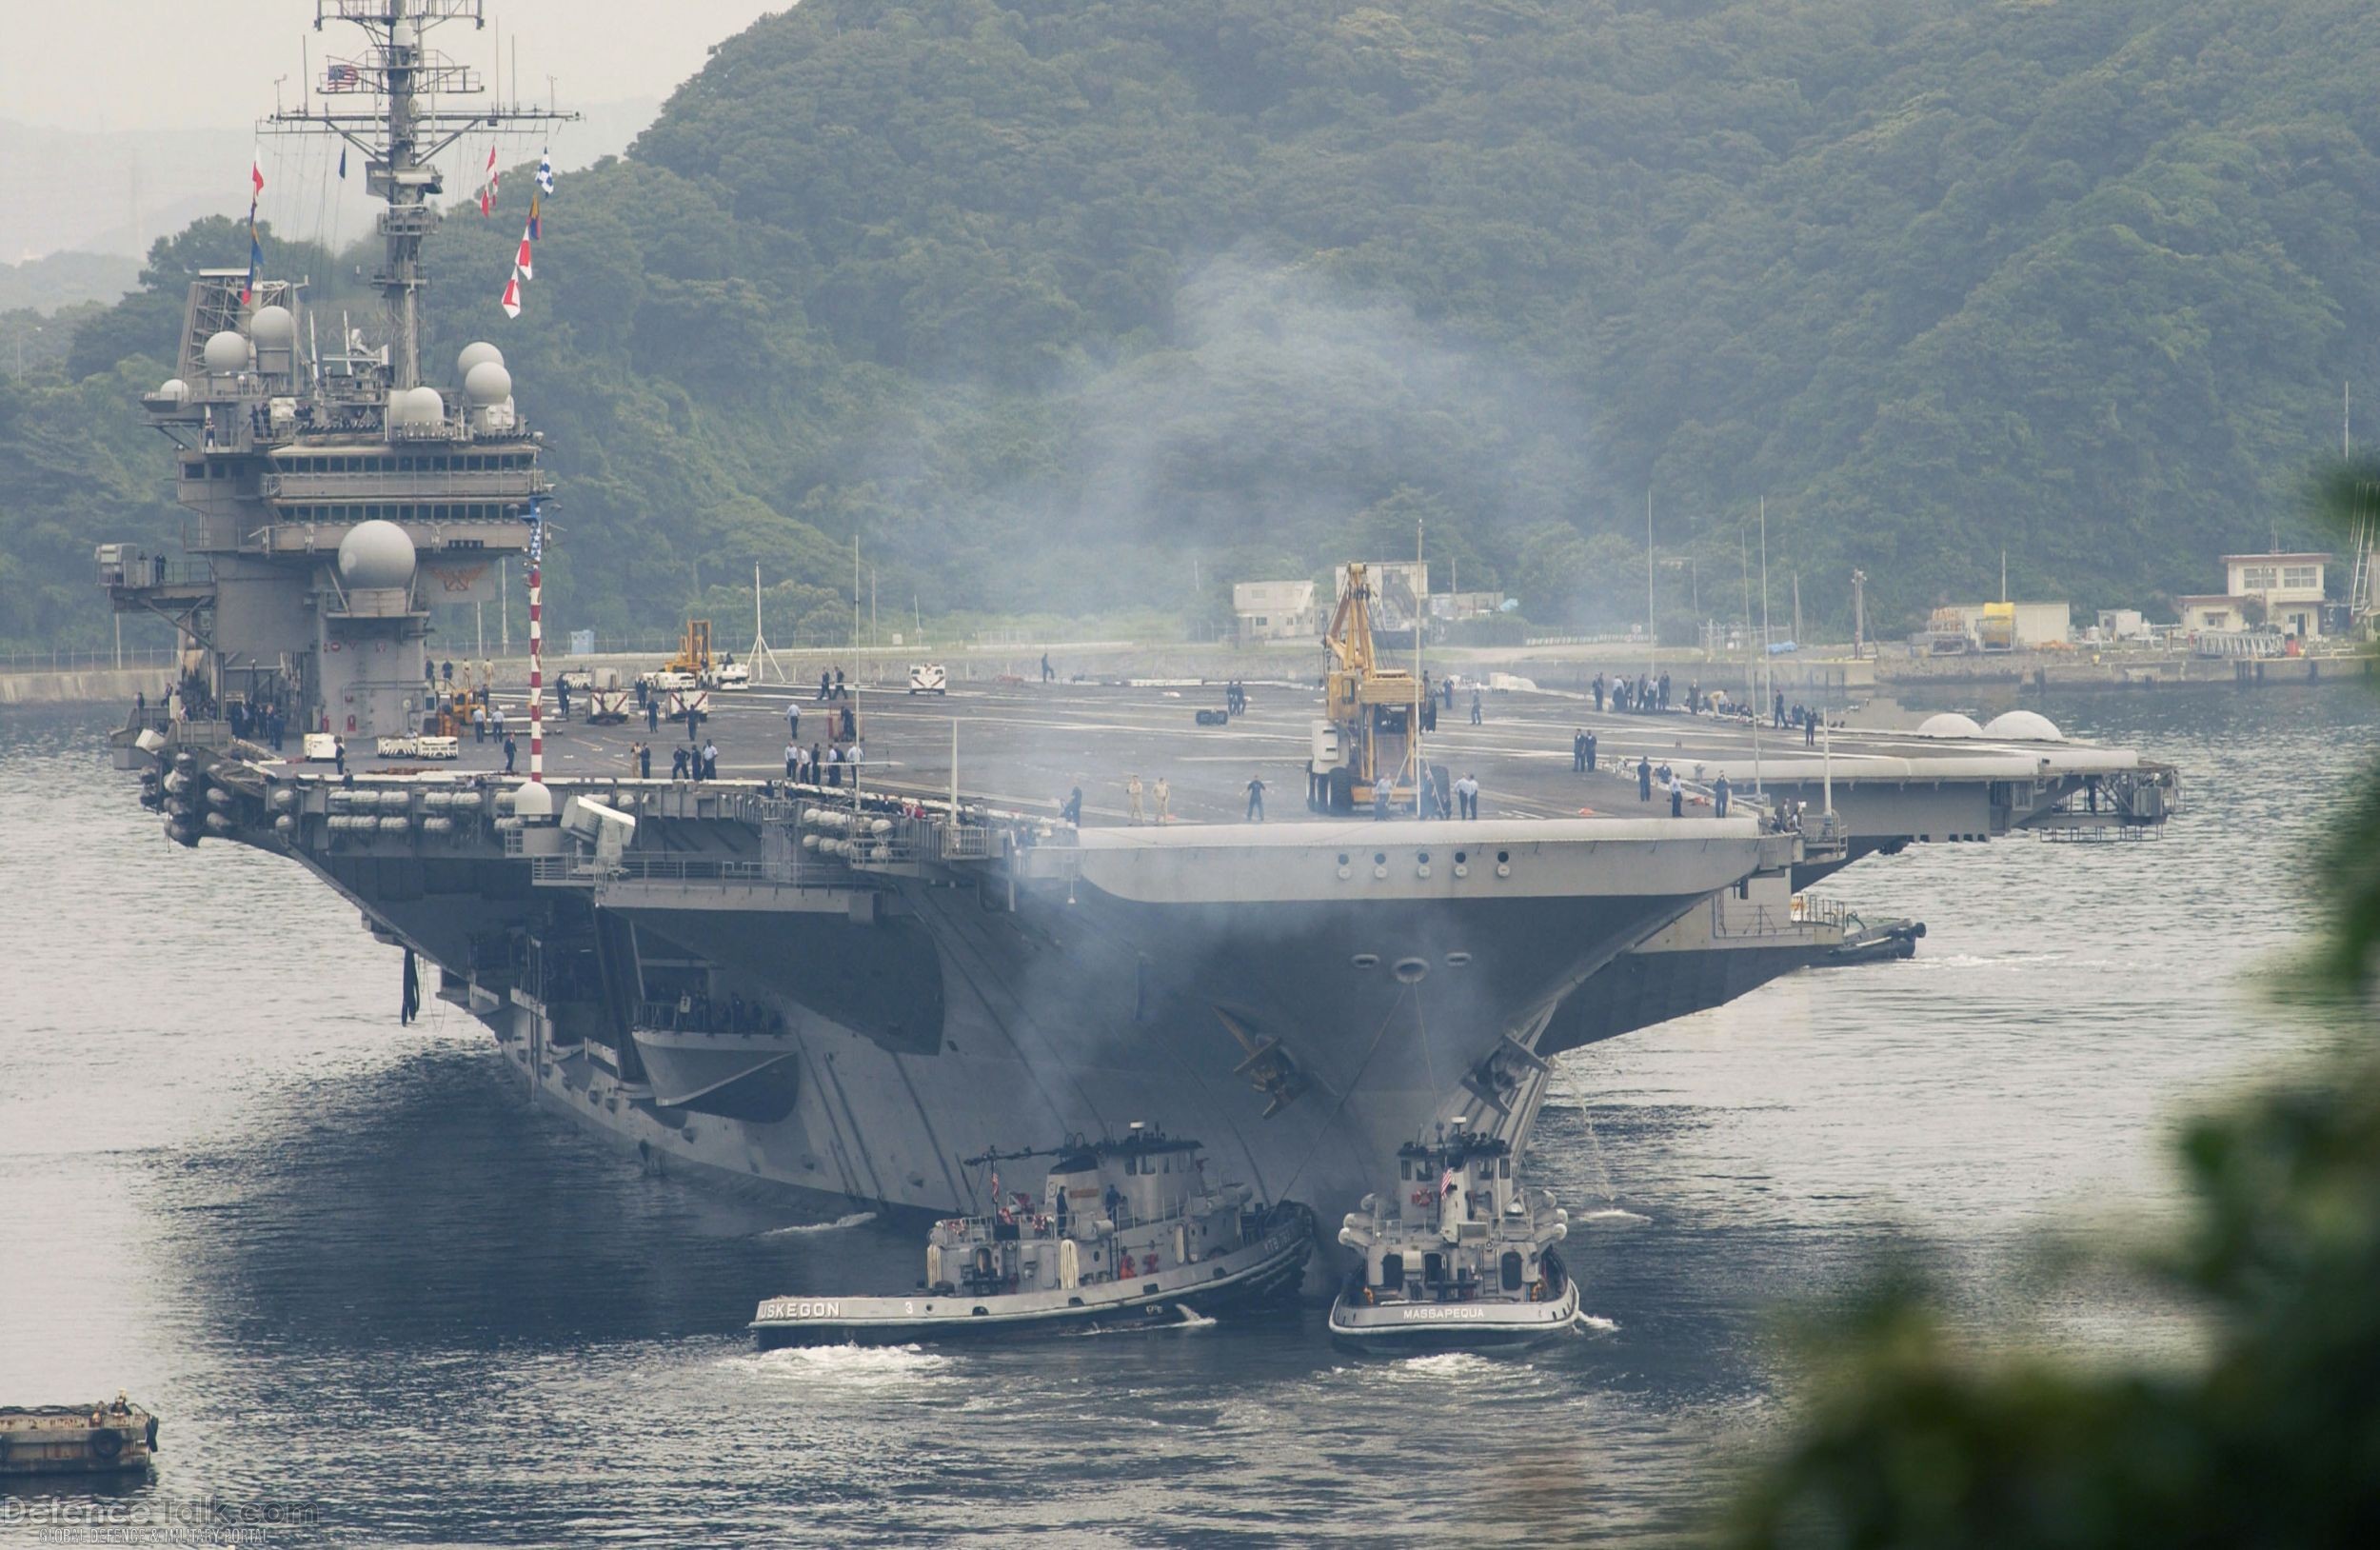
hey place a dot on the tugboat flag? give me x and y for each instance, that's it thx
(545, 170)
(511, 302)
(257, 175)
(521, 260)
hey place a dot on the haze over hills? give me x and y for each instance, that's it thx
(1043, 302)
(116, 190)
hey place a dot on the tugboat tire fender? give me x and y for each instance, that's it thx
(152, 1434)
(106, 1441)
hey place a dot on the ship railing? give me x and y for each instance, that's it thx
(968, 841)
(1741, 923)
(704, 1014)
(664, 866)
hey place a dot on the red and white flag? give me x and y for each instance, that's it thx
(511, 302)
(256, 174)
(521, 262)
(488, 189)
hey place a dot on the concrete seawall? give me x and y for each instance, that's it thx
(86, 686)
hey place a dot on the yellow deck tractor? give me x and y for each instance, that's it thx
(1366, 739)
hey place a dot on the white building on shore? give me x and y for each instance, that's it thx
(2288, 589)
(1276, 610)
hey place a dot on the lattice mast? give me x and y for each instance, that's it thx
(401, 131)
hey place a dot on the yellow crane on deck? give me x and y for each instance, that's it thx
(1369, 735)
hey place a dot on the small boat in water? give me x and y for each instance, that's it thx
(1457, 1258)
(1128, 1232)
(76, 1438)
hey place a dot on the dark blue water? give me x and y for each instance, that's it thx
(365, 1284)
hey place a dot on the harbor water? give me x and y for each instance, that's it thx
(377, 1300)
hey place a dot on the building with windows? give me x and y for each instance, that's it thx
(1276, 610)
(2287, 588)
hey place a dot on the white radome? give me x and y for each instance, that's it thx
(376, 555)
(475, 353)
(416, 406)
(1949, 724)
(273, 328)
(487, 383)
(2024, 726)
(175, 390)
(226, 353)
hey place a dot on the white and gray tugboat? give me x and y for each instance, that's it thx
(1127, 1233)
(1457, 1258)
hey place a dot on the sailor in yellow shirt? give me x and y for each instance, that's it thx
(1132, 798)
(1165, 799)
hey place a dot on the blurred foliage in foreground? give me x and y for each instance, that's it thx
(2269, 1437)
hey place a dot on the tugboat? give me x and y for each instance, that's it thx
(1128, 1232)
(1458, 1259)
(76, 1438)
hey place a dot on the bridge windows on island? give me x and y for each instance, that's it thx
(442, 511)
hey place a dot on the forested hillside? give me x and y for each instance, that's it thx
(1042, 299)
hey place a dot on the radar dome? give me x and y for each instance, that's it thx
(175, 390)
(226, 352)
(273, 328)
(2023, 726)
(1949, 724)
(475, 353)
(416, 406)
(375, 555)
(487, 383)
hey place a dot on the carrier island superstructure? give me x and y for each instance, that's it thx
(837, 993)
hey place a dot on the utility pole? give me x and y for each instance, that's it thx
(1796, 607)
(760, 656)
(1420, 606)
(1859, 614)
(1752, 674)
(1768, 692)
(1652, 635)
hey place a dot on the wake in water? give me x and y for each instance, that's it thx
(841, 1366)
(855, 1219)
(1186, 1318)
(1594, 1324)
(1611, 1216)
(1443, 1364)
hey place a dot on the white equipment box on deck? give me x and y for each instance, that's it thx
(426, 746)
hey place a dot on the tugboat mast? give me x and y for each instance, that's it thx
(401, 128)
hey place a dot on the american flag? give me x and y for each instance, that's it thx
(342, 78)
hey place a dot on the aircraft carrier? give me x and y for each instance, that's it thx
(836, 991)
